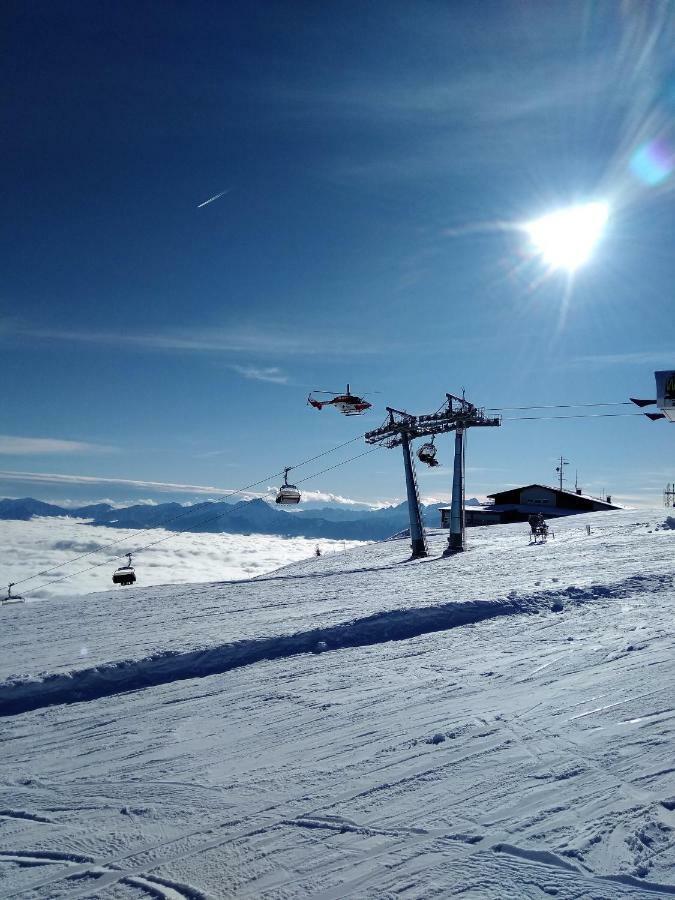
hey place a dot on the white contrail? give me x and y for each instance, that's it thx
(211, 199)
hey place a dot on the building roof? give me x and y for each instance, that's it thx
(556, 490)
(530, 507)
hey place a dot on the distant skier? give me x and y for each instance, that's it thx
(317, 552)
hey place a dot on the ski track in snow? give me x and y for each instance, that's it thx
(456, 736)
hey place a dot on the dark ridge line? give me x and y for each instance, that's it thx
(48, 855)
(83, 685)
(22, 814)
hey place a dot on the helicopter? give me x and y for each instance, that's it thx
(348, 404)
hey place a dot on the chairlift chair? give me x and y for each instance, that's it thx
(125, 574)
(427, 453)
(287, 494)
(11, 598)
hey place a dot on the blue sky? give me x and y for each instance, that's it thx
(376, 157)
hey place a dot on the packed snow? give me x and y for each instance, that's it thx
(499, 724)
(41, 543)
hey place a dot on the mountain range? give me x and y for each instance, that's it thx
(246, 517)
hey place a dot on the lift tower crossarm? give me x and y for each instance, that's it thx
(458, 413)
(389, 434)
(401, 427)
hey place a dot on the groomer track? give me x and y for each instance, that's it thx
(85, 684)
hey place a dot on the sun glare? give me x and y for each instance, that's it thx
(565, 239)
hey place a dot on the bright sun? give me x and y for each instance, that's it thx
(565, 239)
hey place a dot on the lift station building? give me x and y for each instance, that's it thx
(516, 504)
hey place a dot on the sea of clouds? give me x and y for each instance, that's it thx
(27, 548)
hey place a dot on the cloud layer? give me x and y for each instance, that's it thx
(254, 340)
(13, 445)
(31, 547)
(272, 374)
(28, 479)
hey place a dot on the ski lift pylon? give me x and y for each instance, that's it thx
(288, 493)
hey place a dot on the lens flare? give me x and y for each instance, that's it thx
(652, 163)
(565, 239)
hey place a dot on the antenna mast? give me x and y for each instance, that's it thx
(669, 496)
(560, 470)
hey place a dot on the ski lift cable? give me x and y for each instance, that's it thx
(573, 416)
(104, 548)
(557, 406)
(189, 511)
(221, 515)
(337, 465)
(226, 495)
(175, 533)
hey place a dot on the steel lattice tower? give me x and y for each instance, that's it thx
(457, 415)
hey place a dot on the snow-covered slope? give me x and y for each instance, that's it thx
(500, 724)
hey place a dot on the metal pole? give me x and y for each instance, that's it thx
(418, 540)
(456, 536)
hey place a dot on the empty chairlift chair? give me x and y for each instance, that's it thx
(125, 574)
(287, 493)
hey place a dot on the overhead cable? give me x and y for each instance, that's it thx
(559, 406)
(187, 512)
(173, 534)
(573, 416)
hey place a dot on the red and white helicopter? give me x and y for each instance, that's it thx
(348, 404)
